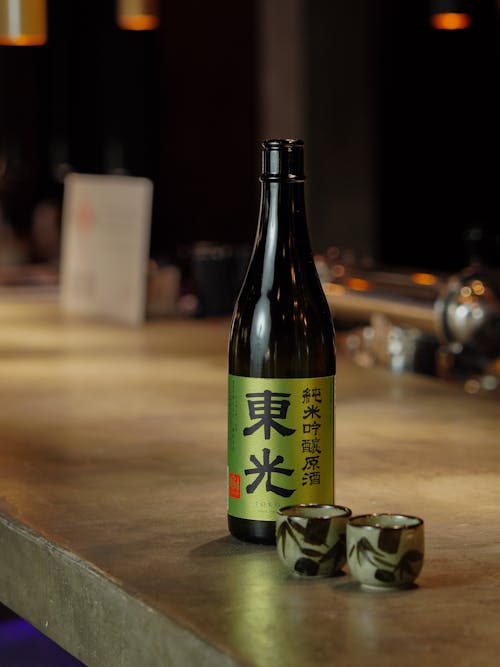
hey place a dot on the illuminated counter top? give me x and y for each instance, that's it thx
(113, 536)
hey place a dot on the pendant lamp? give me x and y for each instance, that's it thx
(137, 14)
(450, 14)
(23, 22)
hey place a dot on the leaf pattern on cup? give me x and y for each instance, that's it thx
(407, 562)
(388, 540)
(384, 575)
(285, 530)
(306, 566)
(336, 554)
(314, 532)
(405, 569)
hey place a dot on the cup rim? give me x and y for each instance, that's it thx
(294, 511)
(416, 521)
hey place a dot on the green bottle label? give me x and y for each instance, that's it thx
(280, 444)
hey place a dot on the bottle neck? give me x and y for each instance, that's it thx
(282, 235)
(282, 212)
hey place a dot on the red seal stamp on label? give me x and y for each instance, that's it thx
(234, 485)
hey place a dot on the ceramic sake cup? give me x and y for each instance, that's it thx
(311, 539)
(385, 550)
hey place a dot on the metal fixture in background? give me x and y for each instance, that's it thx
(447, 325)
(137, 14)
(462, 309)
(23, 22)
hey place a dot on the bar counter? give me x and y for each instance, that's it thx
(113, 538)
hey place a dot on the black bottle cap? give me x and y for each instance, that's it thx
(283, 160)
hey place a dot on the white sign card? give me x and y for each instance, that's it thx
(106, 224)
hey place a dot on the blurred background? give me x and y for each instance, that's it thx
(399, 118)
(396, 102)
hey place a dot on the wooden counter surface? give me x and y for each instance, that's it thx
(113, 538)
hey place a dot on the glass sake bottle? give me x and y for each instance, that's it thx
(281, 362)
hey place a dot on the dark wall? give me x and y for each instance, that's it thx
(23, 132)
(207, 139)
(342, 78)
(402, 121)
(438, 120)
(403, 131)
(176, 105)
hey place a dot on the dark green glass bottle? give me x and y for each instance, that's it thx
(281, 362)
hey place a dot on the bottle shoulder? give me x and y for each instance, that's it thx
(281, 337)
(282, 325)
